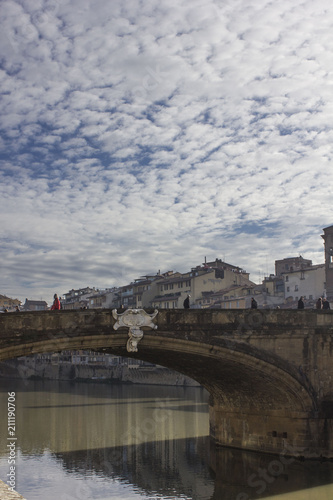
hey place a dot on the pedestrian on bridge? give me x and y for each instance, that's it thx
(319, 303)
(300, 304)
(187, 302)
(326, 304)
(56, 306)
(254, 304)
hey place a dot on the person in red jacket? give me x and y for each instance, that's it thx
(56, 306)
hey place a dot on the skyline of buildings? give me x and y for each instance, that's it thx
(211, 284)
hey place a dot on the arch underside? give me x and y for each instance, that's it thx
(235, 380)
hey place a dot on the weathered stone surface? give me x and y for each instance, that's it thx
(269, 373)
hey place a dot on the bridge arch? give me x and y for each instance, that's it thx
(232, 378)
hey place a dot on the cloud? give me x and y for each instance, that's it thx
(138, 137)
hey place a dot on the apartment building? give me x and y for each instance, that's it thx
(273, 286)
(144, 290)
(76, 299)
(103, 299)
(291, 264)
(201, 282)
(308, 282)
(233, 297)
(124, 297)
(170, 290)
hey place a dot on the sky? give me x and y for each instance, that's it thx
(139, 136)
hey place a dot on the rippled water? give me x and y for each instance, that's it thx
(95, 441)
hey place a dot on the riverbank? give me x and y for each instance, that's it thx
(29, 369)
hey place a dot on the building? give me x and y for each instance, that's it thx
(218, 264)
(291, 264)
(76, 299)
(104, 299)
(200, 283)
(308, 283)
(270, 294)
(273, 286)
(124, 297)
(35, 305)
(8, 303)
(233, 297)
(144, 290)
(170, 290)
(328, 242)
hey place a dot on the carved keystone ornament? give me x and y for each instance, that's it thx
(133, 319)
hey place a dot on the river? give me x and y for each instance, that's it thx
(85, 441)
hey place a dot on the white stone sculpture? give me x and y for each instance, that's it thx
(134, 319)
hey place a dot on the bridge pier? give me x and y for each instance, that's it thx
(297, 435)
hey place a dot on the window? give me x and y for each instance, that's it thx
(296, 288)
(287, 278)
(288, 289)
(302, 275)
(330, 253)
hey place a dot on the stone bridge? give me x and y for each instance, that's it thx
(269, 373)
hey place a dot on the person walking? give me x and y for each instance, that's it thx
(56, 306)
(254, 304)
(326, 304)
(319, 303)
(300, 304)
(186, 302)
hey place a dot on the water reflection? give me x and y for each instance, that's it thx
(247, 475)
(174, 469)
(99, 441)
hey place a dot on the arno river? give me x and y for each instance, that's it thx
(87, 441)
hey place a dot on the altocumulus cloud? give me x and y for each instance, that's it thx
(138, 136)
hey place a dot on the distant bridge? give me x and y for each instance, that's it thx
(269, 373)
